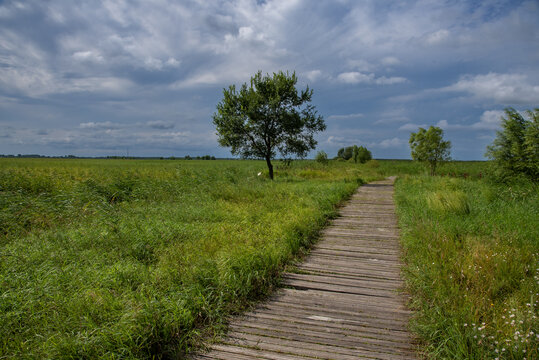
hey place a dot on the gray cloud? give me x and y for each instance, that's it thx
(97, 75)
(157, 124)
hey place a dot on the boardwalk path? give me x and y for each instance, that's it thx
(343, 303)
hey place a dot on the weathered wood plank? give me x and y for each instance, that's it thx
(300, 345)
(381, 333)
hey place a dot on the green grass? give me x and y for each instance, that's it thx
(136, 259)
(472, 255)
(142, 259)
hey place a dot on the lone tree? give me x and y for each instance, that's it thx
(429, 146)
(516, 148)
(266, 117)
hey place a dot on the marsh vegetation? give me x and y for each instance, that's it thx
(142, 259)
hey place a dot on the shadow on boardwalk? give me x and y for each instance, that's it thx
(343, 303)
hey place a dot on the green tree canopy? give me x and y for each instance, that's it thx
(362, 154)
(266, 117)
(429, 146)
(516, 147)
(346, 153)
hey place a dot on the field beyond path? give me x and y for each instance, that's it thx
(343, 302)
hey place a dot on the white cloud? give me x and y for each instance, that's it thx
(392, 116)
(206, 78)
(361, 65)
(390, 61)
(345, 117)
(104, 125)
(444, 124)
(490, 120)
(88, 56)
(437, 37)
(313, 75)
(390, 81)
(412, 127)
(390, 143)
(504, 89)
(356, 77)
(93, 84)
(172, 62)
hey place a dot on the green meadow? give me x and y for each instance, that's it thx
(471, 249)
(147, 258)
(135, 259)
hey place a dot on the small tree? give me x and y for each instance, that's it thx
(428, 146)
(266, 117)
(516, 148)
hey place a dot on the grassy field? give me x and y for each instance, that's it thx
(136, 259)
(131, 258)
(472, 255)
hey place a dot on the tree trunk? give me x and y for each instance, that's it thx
(270, 167)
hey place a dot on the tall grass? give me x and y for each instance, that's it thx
(472, 252)
(140, 259)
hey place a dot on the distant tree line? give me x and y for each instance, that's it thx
(205, 157)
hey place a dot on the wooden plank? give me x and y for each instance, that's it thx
(248, 353)
(360, 253)
(368, 262)
(377, 332)
(353, 298)
(395, 283)
(363, 248)
(399, 338)
(323, 317)
(345, 281)
(324, 337)
(294, 346)
(341, 311)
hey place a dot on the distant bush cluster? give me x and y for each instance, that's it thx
(356, 153)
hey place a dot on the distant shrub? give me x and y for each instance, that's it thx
(321, 157)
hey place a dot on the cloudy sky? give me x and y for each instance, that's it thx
(110, 77)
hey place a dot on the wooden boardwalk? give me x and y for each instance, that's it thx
(343, 303)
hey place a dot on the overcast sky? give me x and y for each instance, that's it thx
(110, 77)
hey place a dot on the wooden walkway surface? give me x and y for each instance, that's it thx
(343, 303)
